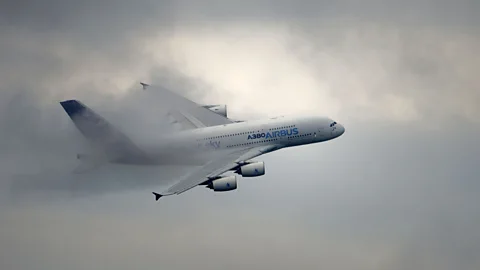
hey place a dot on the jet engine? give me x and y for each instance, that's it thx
(218, 109)
(224, 184)
(252, 169)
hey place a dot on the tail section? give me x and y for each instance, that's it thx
(101, 134)
(91, 125)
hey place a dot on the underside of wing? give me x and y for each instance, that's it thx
(215, 168)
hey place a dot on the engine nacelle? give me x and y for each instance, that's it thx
(224, 184)
(218, 109)
(252, 169)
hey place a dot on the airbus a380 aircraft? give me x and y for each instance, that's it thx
(208, 138)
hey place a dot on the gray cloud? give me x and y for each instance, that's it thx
(397, 191)
(369, 207)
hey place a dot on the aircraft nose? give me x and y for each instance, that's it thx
(340, 130)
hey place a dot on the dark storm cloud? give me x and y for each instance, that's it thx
(90, 17)
(434, 13)
(97, 19)
(387, 195)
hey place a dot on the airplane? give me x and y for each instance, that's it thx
(206, 137)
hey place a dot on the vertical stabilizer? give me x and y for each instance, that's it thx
(101, 134)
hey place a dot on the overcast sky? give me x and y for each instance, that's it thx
(399, 190)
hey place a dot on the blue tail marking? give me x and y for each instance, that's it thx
(73, 107)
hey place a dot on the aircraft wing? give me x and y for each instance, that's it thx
(215, 168)
(188, 114)
(184, 120)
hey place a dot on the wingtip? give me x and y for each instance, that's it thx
(157, 196)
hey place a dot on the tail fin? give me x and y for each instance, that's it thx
(100, 133)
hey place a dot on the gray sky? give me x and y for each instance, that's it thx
(399, 190)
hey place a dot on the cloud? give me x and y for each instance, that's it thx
(350, 204)
(397, 191)
(370, 71)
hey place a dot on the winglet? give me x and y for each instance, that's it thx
(157, 196)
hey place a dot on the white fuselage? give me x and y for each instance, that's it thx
(279, 131)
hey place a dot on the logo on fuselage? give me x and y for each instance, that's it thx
(274, 134)
(210, 145)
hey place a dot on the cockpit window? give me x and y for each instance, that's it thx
(333, 124)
